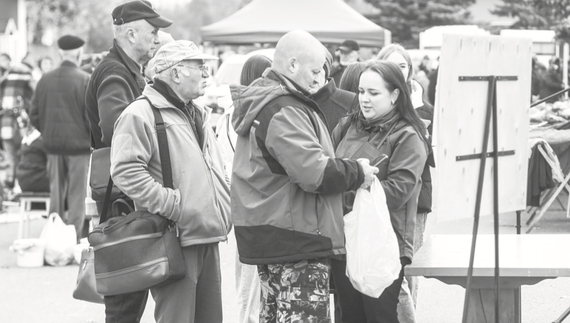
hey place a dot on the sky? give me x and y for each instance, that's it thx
(480, 10)
(167, 3)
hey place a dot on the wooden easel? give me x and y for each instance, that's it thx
(491, 111)
(463, 113)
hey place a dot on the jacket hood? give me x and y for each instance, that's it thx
(250, 100)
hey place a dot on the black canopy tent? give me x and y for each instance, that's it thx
(265, 21)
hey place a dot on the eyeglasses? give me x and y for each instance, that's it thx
(203, 68)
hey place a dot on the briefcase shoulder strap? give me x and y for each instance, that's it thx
(163, 149)
(164, 157)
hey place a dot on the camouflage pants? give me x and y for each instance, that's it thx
(295, 292)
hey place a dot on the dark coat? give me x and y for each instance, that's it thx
(114, 84)
(334, 103)
(400, 175)
(31, 171)
(425, 199)
(336, 73)
(58, 110)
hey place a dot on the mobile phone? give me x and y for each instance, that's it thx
(384, 157)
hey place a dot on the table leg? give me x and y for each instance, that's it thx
(482, 306)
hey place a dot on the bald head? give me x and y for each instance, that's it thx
(300, 57)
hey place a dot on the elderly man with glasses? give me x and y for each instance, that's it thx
(199, 203)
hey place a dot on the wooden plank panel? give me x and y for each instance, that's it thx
(460, 112)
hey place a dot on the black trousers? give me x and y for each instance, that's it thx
(125, 308)
(359, 308)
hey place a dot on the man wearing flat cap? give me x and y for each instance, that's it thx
(58, 112)
(199, 202)
(115, 83)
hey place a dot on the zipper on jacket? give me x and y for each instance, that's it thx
(188, 125)
(109, 229)
(131, 269)
(213, 189)
(209, 169)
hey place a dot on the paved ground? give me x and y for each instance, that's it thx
(30, 295)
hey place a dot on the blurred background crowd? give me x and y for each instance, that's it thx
(29, 30)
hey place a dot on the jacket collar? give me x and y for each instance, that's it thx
(68, 63)
(381, 124)
(166, 91)
(131, 65)
(325, 92)
(289, 84)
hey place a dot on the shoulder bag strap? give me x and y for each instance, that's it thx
(163, 148)
(106, 202)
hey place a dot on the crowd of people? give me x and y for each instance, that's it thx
(306, 130)
(284, 162)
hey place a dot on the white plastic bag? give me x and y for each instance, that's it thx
(60, 240)
(372, 252)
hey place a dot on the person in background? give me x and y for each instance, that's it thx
(335, 103)
(285, 176)
(199, 201)
(31, 171)
(551, 81)
(348, 54)
(535, 80)
(351, 76)
(16, 90)
(398, 55)
(115, 83)
(432, 85)
(432, 77)
(43, 65)
(248, 288)
(425, 65)
(94, 60)
(388, 122)
(5, 62)
(58, 112)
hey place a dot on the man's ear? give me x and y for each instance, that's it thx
(292, 64)
(131, 35)
(175, 76)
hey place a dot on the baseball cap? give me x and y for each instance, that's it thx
(349, 45)
(176, 52)
(137, 10)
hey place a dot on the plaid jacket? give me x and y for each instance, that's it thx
(17, 88)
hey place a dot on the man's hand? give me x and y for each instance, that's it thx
(368, 171)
